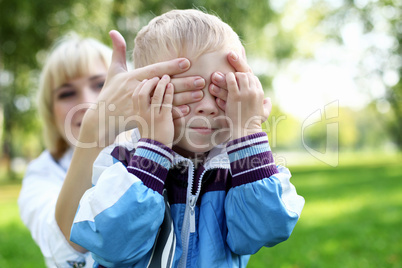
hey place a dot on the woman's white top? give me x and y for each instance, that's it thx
(37, 202)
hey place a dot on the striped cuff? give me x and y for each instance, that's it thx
(250, 159)
(151, 163)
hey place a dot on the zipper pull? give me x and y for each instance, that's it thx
(192, 214)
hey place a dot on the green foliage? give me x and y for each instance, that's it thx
(273, 33)
(377, 17)
(28, 28)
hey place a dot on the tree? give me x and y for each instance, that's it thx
(381, 28)
(27, 29)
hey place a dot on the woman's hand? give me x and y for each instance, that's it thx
(113, 113)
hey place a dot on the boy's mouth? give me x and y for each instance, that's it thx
(203, 130)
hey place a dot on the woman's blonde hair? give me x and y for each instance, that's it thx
(71, 57)
(181, 33)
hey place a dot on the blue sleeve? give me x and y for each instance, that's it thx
(118, 219)
(262, 207)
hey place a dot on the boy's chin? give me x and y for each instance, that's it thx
(192, 151)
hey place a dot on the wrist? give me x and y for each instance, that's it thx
(153, 135)
(94, 131)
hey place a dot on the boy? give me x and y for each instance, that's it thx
(226, 198)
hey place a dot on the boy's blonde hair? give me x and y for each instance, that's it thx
(71, 57)
(183, 33)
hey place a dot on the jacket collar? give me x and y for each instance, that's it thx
(217, 157)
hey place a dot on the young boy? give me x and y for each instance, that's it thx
(226, 197)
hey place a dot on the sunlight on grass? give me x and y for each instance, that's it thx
(8, 203)
(320, 212)
(17, 249)
(352, 218)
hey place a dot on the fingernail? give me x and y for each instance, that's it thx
(199, 83)
(197, 95)
(184, 109)
(214, 88)
(165, 76)
(218, 77)
(184, 64)
(234, 56)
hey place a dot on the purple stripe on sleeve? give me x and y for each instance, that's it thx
(151, 173)
(251, 162)
(246, 146)
(246, 138)
(156, 143)
(249, 176)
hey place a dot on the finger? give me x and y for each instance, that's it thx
(144, 95)
(184, 84)
(118, 63)
(159, 92)
(252, 81)
(139, 86)
(171, 67)
(168, 98)
(136, 91)
(258, 83)
(238, 63)
(180, 111)
(218, 92)
(187, 97)
(218, 79)
(267, 108)
(242, 80)
(233, 89)
(221, 104)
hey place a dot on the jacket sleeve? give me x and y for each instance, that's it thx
(37, 202)
(262, 207)
(118, 218)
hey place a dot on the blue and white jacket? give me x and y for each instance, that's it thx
(235, 203)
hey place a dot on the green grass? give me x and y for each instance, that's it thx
(17, 249)
(352, 218)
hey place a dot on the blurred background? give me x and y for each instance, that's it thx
(333, 70)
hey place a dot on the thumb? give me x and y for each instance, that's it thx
(118, 63)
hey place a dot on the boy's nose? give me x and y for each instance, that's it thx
(207, 106)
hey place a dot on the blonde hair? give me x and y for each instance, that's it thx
(181, 33)
(71, 57)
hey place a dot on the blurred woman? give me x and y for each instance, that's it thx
(85, 91)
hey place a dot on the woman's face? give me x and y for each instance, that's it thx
(72, 99)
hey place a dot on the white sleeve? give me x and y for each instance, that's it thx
(37, 203)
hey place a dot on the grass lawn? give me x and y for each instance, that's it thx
(17, 249)
(352, 218)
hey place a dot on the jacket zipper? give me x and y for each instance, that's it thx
(189, 225)
(185, 231)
